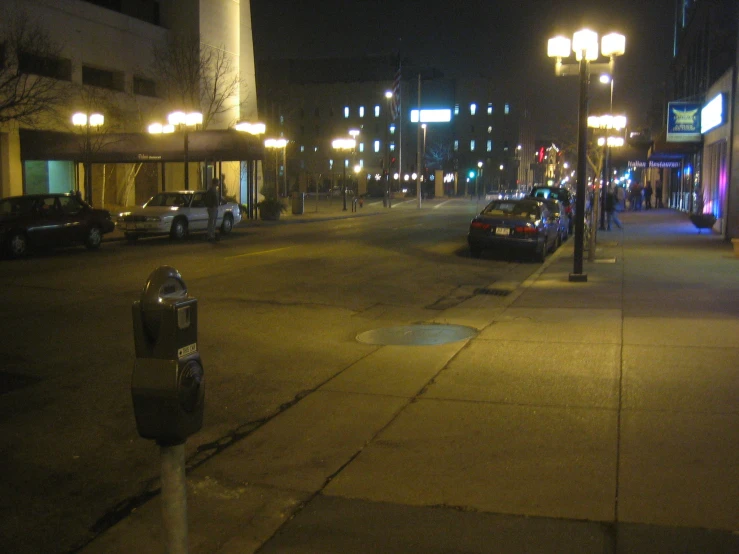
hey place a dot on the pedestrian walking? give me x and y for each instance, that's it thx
(658, 194)
(212, 201)
(648, 191)
(611, 215)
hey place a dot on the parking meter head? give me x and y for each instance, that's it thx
(167, 386)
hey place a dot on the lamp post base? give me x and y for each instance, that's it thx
(578, 278)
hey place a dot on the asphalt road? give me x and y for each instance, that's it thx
(279, 309)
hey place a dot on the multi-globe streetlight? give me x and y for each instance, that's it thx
(584, 44)
(344, 145)
(88, 122)
(277, 145)
(180, 121)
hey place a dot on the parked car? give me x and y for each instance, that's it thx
(176, 214)
(558, 212)
(524, 225)
(561, 194)
(49, 220)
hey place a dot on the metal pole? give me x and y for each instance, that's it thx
(277, 174)
(187, 162)
(606, 184)
(284, 166)
(174, 498)
(582, 151)
(343, 184)
(387, 155)
(88, 182)
(418, 146)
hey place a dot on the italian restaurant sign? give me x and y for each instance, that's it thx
(683, 122)
(655, 164)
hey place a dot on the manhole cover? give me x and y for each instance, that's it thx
(417, 335)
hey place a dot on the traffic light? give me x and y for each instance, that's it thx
(472, 174)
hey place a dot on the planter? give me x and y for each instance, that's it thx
(270, 209)
(735, 243)
(702, 221)
(267, 215)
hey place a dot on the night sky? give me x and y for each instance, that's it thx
(506, 40)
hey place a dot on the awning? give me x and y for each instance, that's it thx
(226, 145)
(663, 150)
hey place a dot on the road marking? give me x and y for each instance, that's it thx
(440, 205)
(257, 253)
(400, 203)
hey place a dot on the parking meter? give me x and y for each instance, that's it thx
(167, 385)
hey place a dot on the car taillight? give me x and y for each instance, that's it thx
(568, 209)
(525, 230)
(480, 225)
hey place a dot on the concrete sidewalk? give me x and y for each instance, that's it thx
(596, 417)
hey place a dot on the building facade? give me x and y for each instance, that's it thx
(469, 132)
(105, 59)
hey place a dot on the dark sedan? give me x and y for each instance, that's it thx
(47, 220)
(524, 225)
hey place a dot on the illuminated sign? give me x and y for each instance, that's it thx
(655, 164)
(712, 114)
(683, 122)
(432, 116)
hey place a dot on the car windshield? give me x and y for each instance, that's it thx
(555, 194)
(528, 210)
(167, 199)
(16, 206)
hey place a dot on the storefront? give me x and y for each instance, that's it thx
(127, 169)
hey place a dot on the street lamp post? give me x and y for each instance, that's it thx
(183, 121)
(388, 97)
(83, 120)
(479, 176)
(585, 46)
(251, 193)
(605, 78)
(276, 145)
(344, 145)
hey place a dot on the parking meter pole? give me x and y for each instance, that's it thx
(174, 498)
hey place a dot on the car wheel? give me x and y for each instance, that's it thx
(475, 251)
(227, 225)
(179, 229)
(131, 237)
(94, 238)
(540, 254)
(17, 245)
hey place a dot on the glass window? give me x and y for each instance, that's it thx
(70, 204)
(490, 108)
(377, 111)
(456, 109)
(302, 148)
(377, 146)
(490, 129)
(144, 87)
(102, 78)
(507, 108)
(346, 112)
(392, 129)
(361, 147)
(456, 146)
(472, 145)
(473, 109)
(490, 146)
(392, 147)
(361, 111)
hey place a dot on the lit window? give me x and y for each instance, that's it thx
(361, 163)
(346, 112)
(490, 130)
(330, 164)
(361, 147)
(377, 111)
(490, 146)
(473, 109)
(302, 148)
(392, 129)
(456, 109)
(456, 146)
(507, 108)
(377, 146)
(472, 145)
(282, 120)
(361, 111)
(315, 149)
(392, 147)
(490, 108)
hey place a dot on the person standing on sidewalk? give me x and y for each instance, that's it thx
(648, 196)
(658, 194)
(212, 201)
(611, 214)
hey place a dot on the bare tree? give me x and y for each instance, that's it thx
(30, 85)
(196, 76)
(439, 155)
